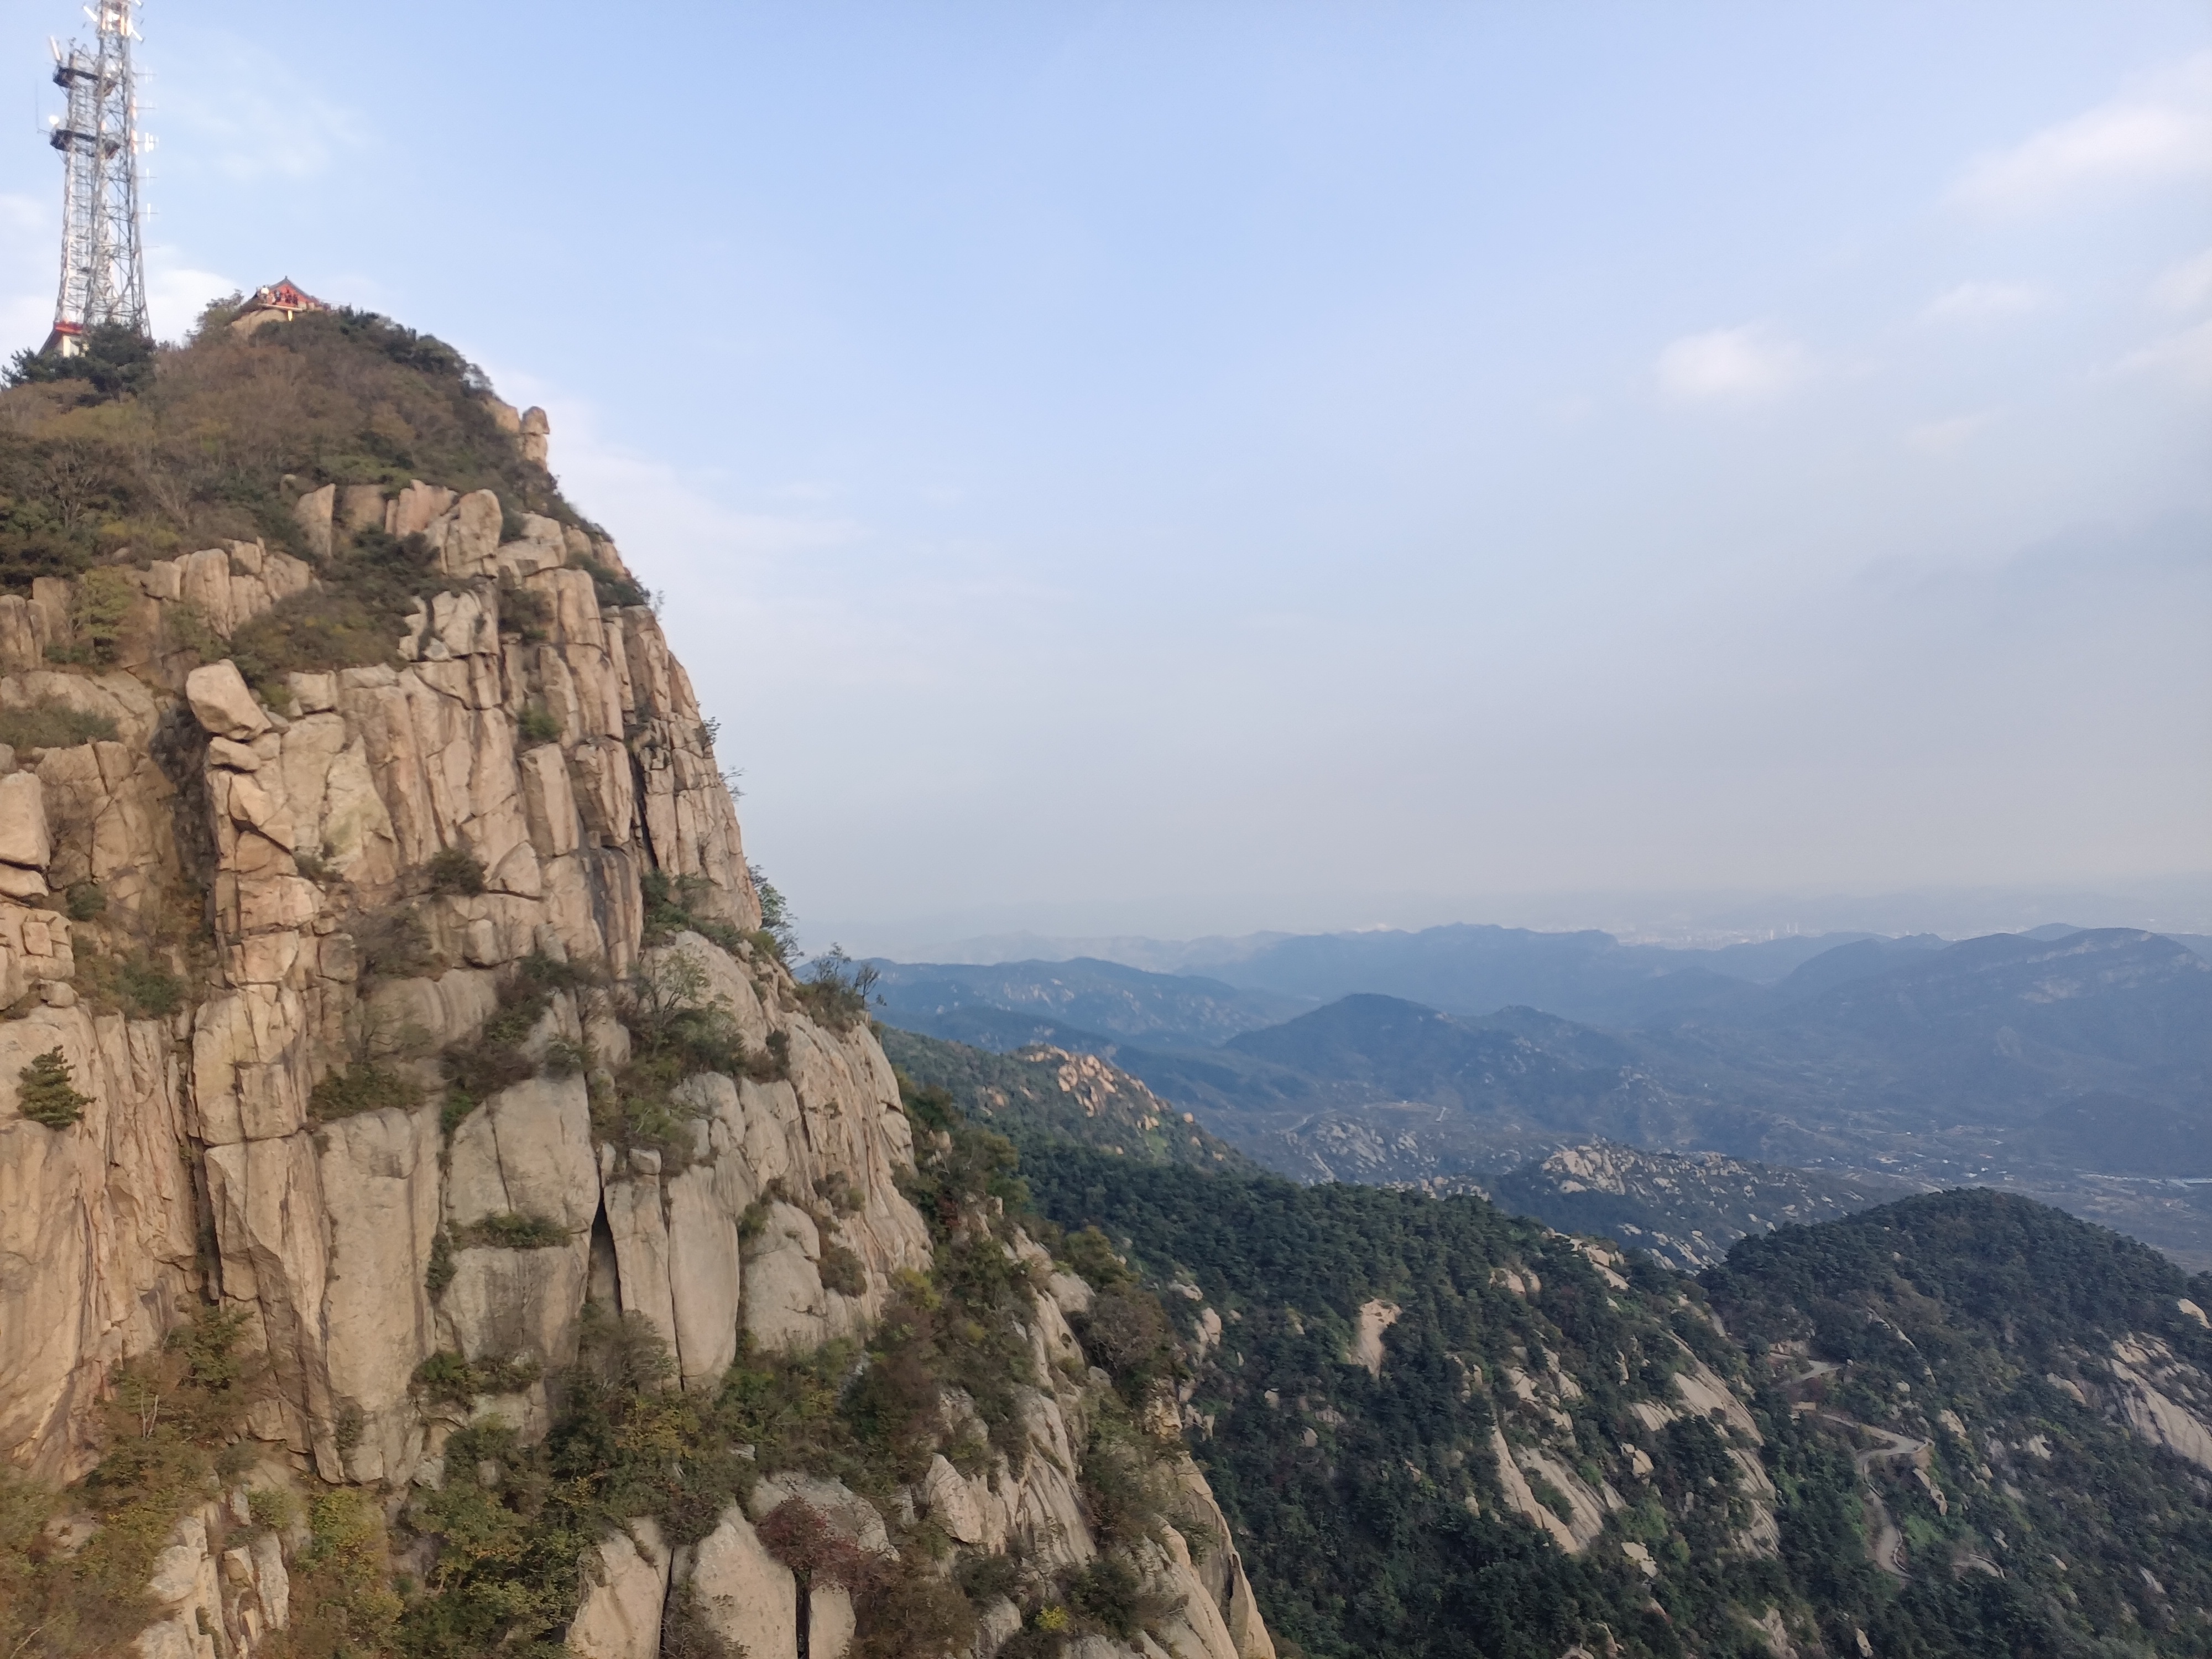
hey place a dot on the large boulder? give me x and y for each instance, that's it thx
(786, 1307)
(24, 837)
(527, 1150)
(222, 703)
(627, 1586)
(744, 1594)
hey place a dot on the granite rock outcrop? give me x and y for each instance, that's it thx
(342, 876)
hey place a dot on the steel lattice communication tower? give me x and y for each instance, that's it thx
(103, 268)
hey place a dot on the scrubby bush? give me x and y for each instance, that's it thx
(1106, 1591)
(525, 611)
(776, 928)
(47, 1093)
(837, 1190)
(103, 602)
(843, 1271)
(455, 870)
(366, 1087)
(685, 1632)
(476, 1071)
(392, 945)
(271, 1508)
(353, 618)
(797, 1534)
(479, 1067)
(149, 989)
(671, 1013)
(514, 1230)
(452, 1380)
(87, 901)
(51, 724)
(342, 1600)
(442, 1266)
(678, 1028)
(671, 907)
(611, 588)
(1125, 1331)
(535, 726)
(837, 990)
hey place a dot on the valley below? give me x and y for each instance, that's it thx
(2074, 1068)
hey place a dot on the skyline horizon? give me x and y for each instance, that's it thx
(2180, 904)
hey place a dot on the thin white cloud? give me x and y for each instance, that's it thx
(647, 503)
(1984, 302)
(1945, 437)
(1731, 364)
(2185, 286)
(248, 115)
(2185, 357)
(2161, 132)
(176, 293)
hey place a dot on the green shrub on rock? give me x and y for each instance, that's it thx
(52, 724)
(456, 869)
(843, 1272)
(48, 1092)
(366, 1088)
(514, 1230)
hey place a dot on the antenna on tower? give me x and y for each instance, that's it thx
(103, 266)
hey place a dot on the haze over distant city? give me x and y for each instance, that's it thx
(1162, 470)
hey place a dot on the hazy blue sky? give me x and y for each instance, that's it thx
(1191, 466)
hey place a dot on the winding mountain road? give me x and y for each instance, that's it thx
(1888, 1550)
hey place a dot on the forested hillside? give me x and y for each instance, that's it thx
(2030, 1397)
(1979, 1426)
(1443, 1429)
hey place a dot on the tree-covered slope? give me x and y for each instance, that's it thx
(213, 440)
(1767, 1469)
(2035, 1394)
(1359, 1358)
(1687, 1209)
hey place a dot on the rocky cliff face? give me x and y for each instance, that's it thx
(270, 930)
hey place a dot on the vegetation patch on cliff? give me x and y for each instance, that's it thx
(50, 723)
(353, 618)
(172, 1432)
(216, 440)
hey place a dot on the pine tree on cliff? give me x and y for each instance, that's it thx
(48, 1096)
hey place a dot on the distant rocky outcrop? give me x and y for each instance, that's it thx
(1685, 1208)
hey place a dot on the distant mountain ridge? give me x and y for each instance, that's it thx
(1023, 1002)
(1462, 969)
(2075, 1064)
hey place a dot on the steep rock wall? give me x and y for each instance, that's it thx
(284, 853)
(308, 825)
